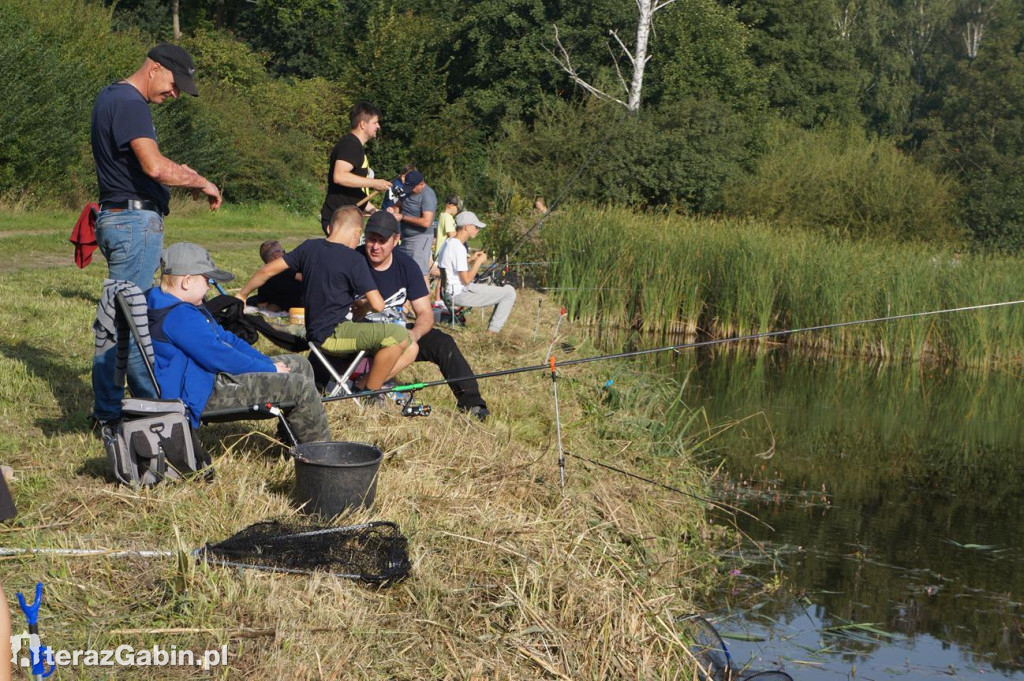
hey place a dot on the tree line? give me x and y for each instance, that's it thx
(898, 119)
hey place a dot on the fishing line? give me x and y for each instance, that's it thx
(722, 506)
(554, 336)
(680, 346)
(637, 353)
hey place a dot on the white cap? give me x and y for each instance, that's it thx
(468, 218)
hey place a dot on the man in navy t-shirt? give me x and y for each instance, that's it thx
(335, 276)
(399, 280)
(133, 179)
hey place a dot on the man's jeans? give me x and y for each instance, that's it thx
(131, 241)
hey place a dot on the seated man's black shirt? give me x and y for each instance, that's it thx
(283, 291)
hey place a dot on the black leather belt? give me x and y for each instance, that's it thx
(131, 204)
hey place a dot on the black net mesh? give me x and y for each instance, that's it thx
(708, 649)
(373, 552)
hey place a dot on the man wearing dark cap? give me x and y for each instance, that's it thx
(398, 281)
(208, 367)
(417, 221)
(133, 179)
(133, 175)
(335, 277)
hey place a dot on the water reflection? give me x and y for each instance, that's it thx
(895, 494)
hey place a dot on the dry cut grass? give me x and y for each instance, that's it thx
(511, 578)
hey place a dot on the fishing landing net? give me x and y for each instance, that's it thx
(711, 653)
(372, 552)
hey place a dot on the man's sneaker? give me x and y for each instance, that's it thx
(479, 412)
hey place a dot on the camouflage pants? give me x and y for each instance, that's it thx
(307, 418)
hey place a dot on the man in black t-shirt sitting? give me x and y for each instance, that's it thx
(282, 291)
(335, 276)
(349, 177)
(398, 280)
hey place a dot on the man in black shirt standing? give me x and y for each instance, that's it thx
(349, 177)
(133, 178)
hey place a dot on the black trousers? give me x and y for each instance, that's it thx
(436, 347)
(441, 349)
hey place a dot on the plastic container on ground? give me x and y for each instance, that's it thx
(332, 477)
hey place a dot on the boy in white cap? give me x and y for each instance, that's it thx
(461, 270)
(208, 367)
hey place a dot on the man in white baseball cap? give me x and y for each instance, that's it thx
(461, 270)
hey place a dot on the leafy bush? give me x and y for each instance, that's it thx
(838, 181)
(258, 138)
(679, 155)
(44, 125)
(265, 139)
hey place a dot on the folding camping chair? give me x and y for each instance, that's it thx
(338, 382)
(139, 329)
(456, 314)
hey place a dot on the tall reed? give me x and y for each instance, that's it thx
(724, 278)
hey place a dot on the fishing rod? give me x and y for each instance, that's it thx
(681, 346)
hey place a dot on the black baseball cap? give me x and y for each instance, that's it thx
(382, 223)
(413, 178)
(176, 60)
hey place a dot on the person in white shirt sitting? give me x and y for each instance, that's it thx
(461, 269)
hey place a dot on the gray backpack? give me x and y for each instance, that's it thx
(154, 441)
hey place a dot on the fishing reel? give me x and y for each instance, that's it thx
(493, 275)
(412, 407)
(397, 192)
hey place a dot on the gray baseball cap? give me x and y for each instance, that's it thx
(468, 217)
(184, 258)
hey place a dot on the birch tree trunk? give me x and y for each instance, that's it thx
(643, 34)
(637, 57)
(175, 22)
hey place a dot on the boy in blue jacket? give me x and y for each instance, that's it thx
(207, 367)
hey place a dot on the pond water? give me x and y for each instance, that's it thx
(896, 513)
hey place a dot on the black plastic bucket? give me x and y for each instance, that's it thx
(331, 477)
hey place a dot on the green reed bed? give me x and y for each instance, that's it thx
(726, 278)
